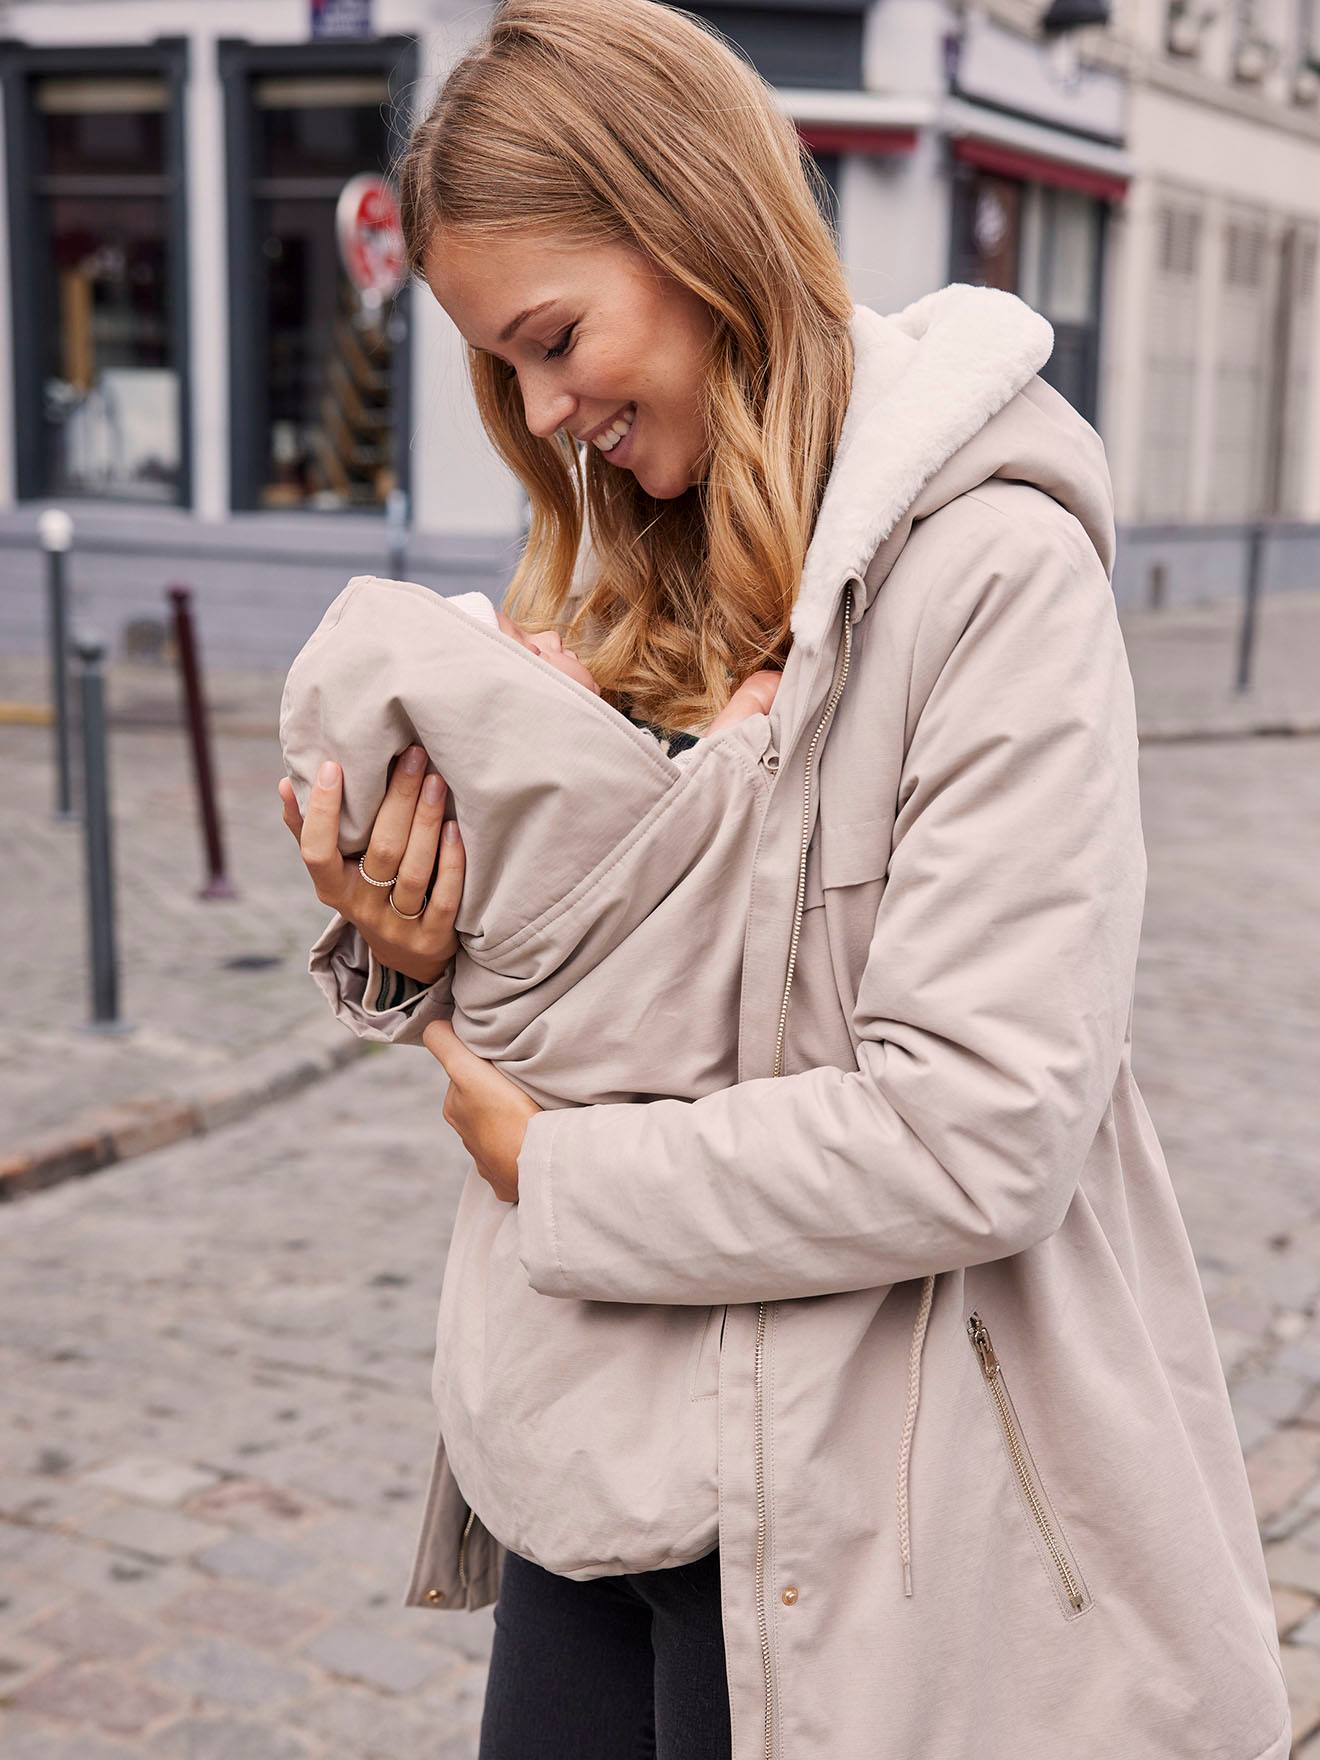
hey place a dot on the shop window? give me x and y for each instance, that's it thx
(1044, 244)
(319, 378)
(99, 333)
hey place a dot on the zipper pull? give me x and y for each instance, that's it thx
(984, 1349)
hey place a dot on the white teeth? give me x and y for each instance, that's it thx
(607, 441)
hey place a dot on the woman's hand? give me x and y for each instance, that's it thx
(404, 841)
(487, 1110)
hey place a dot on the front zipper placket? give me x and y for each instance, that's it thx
(763, 1308)
(1028, 1477)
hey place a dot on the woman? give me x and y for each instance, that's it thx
(979, 1488)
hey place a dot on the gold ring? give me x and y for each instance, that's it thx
(367, 877)
(409, 916)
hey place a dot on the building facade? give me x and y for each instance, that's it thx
(185, 367)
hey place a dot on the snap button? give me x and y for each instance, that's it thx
(434, 1595)
(789, 1596)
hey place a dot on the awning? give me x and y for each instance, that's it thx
(846, 137)
(1033, 168)
(1013, 146)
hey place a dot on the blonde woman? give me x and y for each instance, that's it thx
(951, 1470)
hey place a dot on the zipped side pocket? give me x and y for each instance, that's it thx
(1062, 1566)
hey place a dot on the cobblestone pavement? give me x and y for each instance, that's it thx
(214, 1360)
(216, 1422)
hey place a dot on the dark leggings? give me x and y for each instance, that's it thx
(618, 1668)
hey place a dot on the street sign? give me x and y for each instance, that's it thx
(370, 237)
(341, 18)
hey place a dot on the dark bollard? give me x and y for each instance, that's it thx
(1247, 630)
(55, 530)
(1157, 585)
(194, 708)
(90, 650)
(396, 527)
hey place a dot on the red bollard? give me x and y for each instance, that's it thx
(194, 708)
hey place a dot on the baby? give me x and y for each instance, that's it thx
(753, 696)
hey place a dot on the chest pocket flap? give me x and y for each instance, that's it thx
(846, 854)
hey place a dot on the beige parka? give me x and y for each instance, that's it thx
(980, 1491)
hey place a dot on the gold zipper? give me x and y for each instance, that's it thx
(763, 1308)
(1028, 1475)
(462, 1554)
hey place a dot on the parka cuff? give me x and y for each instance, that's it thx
(538, 1235)
(350, 979)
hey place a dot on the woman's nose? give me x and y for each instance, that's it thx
(547, 412)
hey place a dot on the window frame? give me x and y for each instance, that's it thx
(240, 63)
(21, 65)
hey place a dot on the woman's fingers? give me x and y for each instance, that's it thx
(418, 864)
(319, 841)
(389, 834)
(448, 888)
(292, 817)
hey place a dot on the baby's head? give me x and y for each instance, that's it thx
(551, 648)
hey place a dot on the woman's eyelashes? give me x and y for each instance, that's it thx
(561, 347)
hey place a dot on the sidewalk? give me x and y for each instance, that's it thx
(221, 1011)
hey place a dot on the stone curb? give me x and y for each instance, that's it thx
(1260, 727)
(135, 1127)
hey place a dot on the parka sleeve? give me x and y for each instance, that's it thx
(992, 1011)
(371, 1000)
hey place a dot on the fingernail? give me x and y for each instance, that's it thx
(450, 833)
(327, 773)
(431, 790)
(413, 759)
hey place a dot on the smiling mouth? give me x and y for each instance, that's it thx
(617, 431)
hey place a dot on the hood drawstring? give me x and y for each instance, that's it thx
(909, 1421)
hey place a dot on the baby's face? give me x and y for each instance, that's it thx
(549, 647)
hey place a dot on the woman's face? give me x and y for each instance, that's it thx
(608, 338)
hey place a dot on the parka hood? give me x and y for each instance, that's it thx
(945, 396)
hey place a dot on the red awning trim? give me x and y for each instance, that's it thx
(1088, 180)
(854, 137)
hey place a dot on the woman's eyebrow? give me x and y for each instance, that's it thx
(511, 328)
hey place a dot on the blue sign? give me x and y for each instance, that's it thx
(341, 18)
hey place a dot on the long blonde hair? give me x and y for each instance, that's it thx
(629, 122)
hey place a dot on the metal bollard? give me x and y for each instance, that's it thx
(1247, 629)
(1156, 586)
(90, 650)
(396, 527)
(194, 707)
(55, 530)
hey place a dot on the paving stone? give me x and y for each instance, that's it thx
(1273, 1393)
(1301, 1670)
(29, 1738)
(368, 1725)
(362, 1654)
(211, 1738)
(266, 1619)
(89, 1628)
(254, 1557)
(1282, 1467)
(1308, 1632)
(151, 1479)
(220, 1669)
(128, 1582)
(1294, 1566)
(23, 1659)
(24, 1597)
(111, 1698)
(1291, 1606)
(254, 1503)
(154, 1533)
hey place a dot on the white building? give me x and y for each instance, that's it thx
(180, 365)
